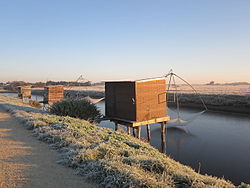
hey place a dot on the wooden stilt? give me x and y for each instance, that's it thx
(128, 130)
(133, 131)
(116, 126)
(139, 132)
(163, 137)
(166, 136)
(148, 133)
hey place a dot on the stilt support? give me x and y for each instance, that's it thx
(136, 128)
(116, 126)
(163, 137)
(128, 130)
(133, 131)
(148, 133)
(139, 132)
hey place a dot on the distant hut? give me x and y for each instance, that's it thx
(53, 94)
(24, 92)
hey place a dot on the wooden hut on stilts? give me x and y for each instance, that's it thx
(24, 92)
(137, 103)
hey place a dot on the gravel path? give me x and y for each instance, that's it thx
(27, 162)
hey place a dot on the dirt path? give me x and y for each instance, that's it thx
(27, 162)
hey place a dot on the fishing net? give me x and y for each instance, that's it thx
(174, 94)
(183, 121)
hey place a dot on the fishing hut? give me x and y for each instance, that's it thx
(24, 92)
(53, 94)
(137, 103)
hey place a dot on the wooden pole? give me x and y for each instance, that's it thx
(148, 133)
(139, 132)
(128, 130)
(116, 126)
(133, 131)
(163, 137)
(166, 135)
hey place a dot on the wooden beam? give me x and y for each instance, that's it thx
(136, 124)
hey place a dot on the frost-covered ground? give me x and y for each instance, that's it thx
(228, 98)
(106, 157)
(218, 89)
(217, 102)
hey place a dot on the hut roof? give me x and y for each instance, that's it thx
(138, 80)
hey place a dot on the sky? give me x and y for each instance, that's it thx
(201, 41)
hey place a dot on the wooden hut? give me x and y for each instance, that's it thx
(24, 92)
(53, 93)
(137, 103)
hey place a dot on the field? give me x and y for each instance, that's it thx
(218, 89)
(202, 89)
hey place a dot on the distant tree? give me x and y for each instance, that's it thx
(39, 84)
(13, 85)
(65, 83)
(211, 83)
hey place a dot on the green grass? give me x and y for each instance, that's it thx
(109, 158)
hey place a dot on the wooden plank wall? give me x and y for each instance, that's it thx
(150, 99)
(54, 93)
(24, 92)
(120, 100)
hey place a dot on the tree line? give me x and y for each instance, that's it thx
(14, 84)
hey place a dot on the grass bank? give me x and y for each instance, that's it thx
(106, 157)
(216, 102)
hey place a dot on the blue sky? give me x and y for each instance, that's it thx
(113, 39)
